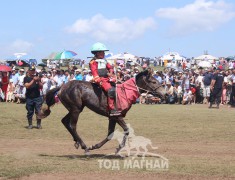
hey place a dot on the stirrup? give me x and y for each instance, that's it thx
(115, 113)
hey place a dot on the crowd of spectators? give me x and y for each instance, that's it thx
(189, 85)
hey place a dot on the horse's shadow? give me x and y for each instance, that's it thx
(85, 157)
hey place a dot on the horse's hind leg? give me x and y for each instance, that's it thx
(70, 122)
(122, 123)
(112, 124)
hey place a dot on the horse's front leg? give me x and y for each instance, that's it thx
(122, 123)
(111, 128)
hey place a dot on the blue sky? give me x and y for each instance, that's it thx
(142, 27)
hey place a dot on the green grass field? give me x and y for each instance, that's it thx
(199, 143)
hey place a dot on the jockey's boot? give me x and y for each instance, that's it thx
(113, 110)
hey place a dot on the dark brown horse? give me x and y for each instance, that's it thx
(75, 95)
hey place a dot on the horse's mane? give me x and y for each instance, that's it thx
(143, 73)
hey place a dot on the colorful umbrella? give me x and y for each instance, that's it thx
(5, 68)
(65, 55)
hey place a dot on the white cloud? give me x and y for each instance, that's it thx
(202, 15)
(17, 46)
(20, 46)
(103, 29)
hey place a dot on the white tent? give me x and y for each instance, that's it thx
(122, 56)
(206, 57)
(172, 56)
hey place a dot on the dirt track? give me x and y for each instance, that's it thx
(197, 147)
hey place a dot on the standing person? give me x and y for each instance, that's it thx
(5, 82)
(33, 85)
(216, 88)
(54, 79)
(186, 80)
(60, 79)
(232, 95)
(45, 88)
(207, 82)
(102, 71)
(66, 77)
(20, 87)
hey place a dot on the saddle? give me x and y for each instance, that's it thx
(127, 94)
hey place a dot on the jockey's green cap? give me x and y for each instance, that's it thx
(98, 47)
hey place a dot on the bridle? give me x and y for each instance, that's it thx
(147, 91)
(153, 90)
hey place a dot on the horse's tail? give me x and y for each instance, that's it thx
(153, 147)
(50, 101)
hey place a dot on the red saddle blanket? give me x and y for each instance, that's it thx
(127, 93)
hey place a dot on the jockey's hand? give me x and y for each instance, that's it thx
(113, 79)
(98, 80)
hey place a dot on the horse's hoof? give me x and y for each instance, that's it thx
(91, 148)
(87, 152)
(76, 145)
(117, 151)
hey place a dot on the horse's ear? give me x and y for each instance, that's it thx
(145, 72)
(149, 73)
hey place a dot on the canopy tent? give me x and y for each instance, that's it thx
(230, 58)
(122, 56)
(22, 63)
(32, 62)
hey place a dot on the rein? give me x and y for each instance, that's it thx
(147, 91)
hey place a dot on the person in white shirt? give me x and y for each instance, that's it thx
(178, 91)
(89, 76)
(54, 79)
(187, 98)
(45, 88)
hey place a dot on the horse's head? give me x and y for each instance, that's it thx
(147, 83)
